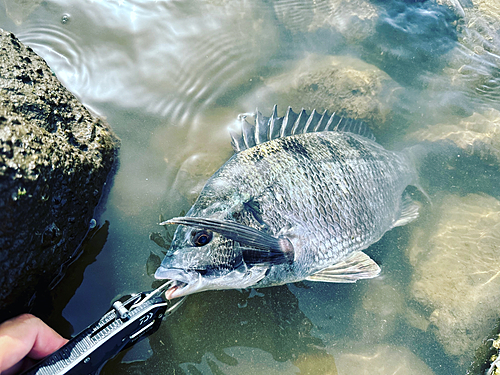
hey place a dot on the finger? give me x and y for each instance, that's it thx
(24, 336)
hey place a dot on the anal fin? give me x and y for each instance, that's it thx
(409, 211)
(358, 266)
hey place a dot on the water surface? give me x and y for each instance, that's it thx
(171, 76)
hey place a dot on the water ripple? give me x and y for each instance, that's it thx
(63, 51)
(214, 64)
(167, 57)
(411, 40)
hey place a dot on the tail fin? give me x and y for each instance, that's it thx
(429, 158)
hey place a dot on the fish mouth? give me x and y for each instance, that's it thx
(191, 281)
(175, 290)
(184, 282)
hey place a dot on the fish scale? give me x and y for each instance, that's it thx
(299, 162)
(315, 199)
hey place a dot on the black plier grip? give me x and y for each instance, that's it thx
(122, 326)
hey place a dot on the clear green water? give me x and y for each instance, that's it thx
(170, 77)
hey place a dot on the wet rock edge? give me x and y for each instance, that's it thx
(56, 159)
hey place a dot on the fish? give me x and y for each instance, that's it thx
(301, 198)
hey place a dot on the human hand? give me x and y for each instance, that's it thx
(23, 340)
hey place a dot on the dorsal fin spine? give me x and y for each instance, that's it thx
(235, 141)
(272, 123)
(337, 126)
(300, 122)
(248, 134)
(321, 122)
(288, 122)
(330, 122)
(260, 128)
(309, 122)
(340, 124)
(258, 119)
(269, 128)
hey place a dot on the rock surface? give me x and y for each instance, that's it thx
(457, 273)
(55, 157)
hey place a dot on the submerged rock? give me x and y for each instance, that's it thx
(355, 20)
(456, 271)
(341, 83)
(193, 174)
(477, 135)
(381, 360)
(55, 157)
(474, 64)
(487, 356)
(382, 305)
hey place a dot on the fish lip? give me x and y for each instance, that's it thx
(190, 281)
(176, 274)
(176, 290)
(185, 282)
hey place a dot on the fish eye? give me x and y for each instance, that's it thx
(201, 237)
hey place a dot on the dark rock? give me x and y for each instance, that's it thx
(55, 157)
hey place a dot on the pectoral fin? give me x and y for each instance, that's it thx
(253, 257)
(358, 266)
(409, 211)
(280, 249)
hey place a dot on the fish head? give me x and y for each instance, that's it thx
(200, 259)
(211, 254)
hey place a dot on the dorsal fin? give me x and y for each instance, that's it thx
(265, 128)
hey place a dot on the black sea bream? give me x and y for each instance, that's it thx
(300, 199)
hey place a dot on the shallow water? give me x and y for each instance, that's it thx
(170, 77)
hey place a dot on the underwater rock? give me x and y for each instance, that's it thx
(456, 271)
(487, 356)
(380, 360)
(190, 166)
(382, 304)
(340, 83)
(355, 20)
(410, 41)
(474, 64)
(194, 173)
(55, 157)
(477, 135)
(479, 23)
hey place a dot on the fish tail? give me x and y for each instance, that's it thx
(429, 158)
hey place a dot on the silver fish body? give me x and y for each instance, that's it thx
(312, 200)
